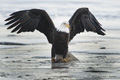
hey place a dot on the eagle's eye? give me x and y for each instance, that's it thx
(64, 23)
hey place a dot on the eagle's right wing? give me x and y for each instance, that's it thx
(83, 20)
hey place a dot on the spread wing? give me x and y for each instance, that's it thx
(29, 20)
(82, 20)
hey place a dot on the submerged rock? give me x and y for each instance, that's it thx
(103, 48)
(11, 43)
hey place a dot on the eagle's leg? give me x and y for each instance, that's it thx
(53, 54)
(65, 60)
(64, 55)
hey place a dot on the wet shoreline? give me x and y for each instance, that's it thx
(99, 57)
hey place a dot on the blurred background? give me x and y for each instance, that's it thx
(106, 11)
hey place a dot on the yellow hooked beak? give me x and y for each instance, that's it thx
(67, 25)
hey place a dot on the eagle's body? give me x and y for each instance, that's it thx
(60, 44)
(29, 20)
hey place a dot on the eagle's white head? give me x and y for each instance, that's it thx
(64, 27)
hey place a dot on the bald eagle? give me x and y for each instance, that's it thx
(37, 19)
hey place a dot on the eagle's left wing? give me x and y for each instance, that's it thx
(82, 20)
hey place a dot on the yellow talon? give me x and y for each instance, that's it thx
(53, 60)
(65, 60)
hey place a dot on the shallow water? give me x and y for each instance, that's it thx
(99, 58)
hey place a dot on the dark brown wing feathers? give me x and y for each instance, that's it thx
(29, 20)
(82, 20)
